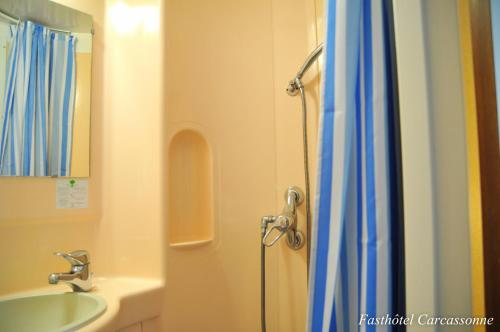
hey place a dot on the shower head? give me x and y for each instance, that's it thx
(309, 61)
(295, 84)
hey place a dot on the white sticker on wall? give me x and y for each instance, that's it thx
(72, 193)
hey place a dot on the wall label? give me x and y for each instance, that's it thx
(72, 193)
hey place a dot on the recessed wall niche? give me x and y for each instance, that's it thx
(190, 190)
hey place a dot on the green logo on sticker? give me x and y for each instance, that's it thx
(72, 183)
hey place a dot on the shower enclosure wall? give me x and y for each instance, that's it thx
(249, 131)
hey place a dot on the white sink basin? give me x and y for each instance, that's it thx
(51, 312)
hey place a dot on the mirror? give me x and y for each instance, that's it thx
(45, 89)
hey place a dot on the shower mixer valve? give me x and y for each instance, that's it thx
(275, 227)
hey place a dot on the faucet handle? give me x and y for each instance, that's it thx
(281, 225)
(77, 257)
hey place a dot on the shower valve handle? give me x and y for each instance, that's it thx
(285, 223)
(281, 224)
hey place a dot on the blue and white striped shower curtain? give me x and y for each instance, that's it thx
(351, 259)
(36, 123)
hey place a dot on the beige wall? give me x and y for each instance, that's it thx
(122, 226)
(449, 153)
(219, 81)
(31, 228)
(131, 141)
(227, 66)
(80, 150)
(416, 158)
(434, 158)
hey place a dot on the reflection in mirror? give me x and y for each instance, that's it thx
(45, 82)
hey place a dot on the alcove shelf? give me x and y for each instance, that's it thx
(190, 190)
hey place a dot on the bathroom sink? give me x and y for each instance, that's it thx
(52, 312)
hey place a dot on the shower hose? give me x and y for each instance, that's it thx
(263, 284)
(308, 216)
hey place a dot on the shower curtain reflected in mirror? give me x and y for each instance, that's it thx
(39, 96)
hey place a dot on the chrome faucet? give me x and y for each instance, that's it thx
(286, 222)
(79, 277)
